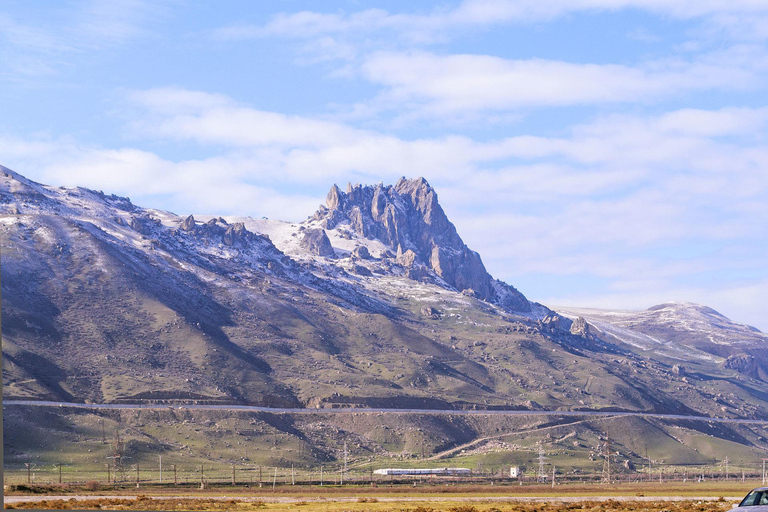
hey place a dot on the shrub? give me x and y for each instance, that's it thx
(92, 485)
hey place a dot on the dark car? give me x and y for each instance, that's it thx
(756, 500)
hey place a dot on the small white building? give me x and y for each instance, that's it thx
(514, 472)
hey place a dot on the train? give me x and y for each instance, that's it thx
(422, 471)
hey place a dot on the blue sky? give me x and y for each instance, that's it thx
(607, 153)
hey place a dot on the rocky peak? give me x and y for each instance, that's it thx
(408, 217)
(188, 224)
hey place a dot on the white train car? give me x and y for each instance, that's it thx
(423, 471)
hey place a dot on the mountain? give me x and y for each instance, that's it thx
(373, 301)
(407, 217)
(684, 330)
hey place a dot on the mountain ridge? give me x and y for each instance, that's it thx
(106, 301)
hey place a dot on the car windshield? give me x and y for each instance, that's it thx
(755, 498)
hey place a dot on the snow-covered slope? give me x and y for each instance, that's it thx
(679, 329)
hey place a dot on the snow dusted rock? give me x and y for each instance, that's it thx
(236, 233)
(316, 242)
(188, 224)
(361, 253)
(362, 271)
(408, 218)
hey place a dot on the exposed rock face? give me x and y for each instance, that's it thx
(580, 327)
(361, 253)
(216, 230)
(407, 258)
(743, 363)
(407, 217)
(362, 271)
(235, 233)
(555, 322)
(316, 242)
(188, 224)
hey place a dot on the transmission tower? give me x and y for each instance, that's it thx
(118, 454)
(542, 471)
(606, 478)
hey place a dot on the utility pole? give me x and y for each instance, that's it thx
(233, 476)
(293, 475)
(59, 468)
(29, 472)
(137, 475)
(274, 479)
(321, 475)
(174, 474)
(650, 464)
(763, 472)
(346, 454)
(726, 468)
(553, 477)
(542, 472)
(202, 476)
(108, 473)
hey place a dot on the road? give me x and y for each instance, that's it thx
(367, 410)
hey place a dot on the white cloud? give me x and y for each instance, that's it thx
(215, 119)
(445, 84)
(610, 200)
(741, 18)
(221, 185)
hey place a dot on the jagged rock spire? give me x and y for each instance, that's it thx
(408, 217)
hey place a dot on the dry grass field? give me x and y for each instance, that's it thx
(376, 504)
(679, 497)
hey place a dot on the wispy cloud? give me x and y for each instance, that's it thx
(42, 47)
(443, 84)
(435, 25)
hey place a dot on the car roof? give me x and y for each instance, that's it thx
(760, 489)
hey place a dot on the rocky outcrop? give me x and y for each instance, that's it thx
(234, 234)
(743, 363)
(316, 242)
(407, 217)
(580, 327)
(553, 323)
(188, 224)
(217, 230)
(361, 253)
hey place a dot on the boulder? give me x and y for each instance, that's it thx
(316, 242)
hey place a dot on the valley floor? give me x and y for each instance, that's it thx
(650, 497)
